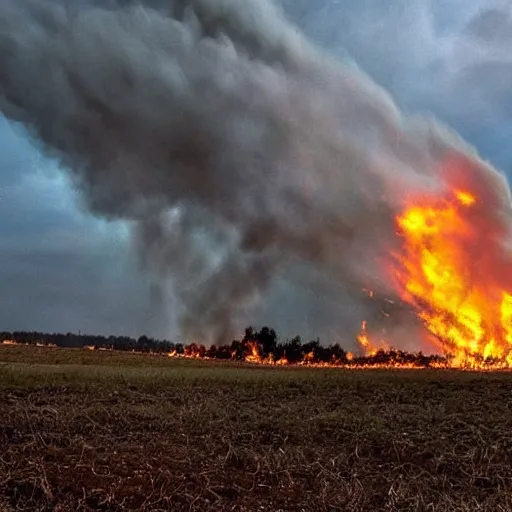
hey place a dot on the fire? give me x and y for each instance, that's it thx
(38, 344)
(254, 355)
(309, 357)
(370, 344)
(362, 337)
(467, 311)
(466, 198)
(251, 353)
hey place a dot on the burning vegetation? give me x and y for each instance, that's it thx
(450, 270)
(256, 347)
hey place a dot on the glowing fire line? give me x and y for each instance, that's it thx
(380, 360)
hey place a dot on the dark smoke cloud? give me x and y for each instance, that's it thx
(236, 149)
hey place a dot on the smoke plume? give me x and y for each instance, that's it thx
(234, 147)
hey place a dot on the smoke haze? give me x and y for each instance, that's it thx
(239, 153)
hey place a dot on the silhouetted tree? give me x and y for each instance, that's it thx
(267, 340)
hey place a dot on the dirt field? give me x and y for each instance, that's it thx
(86, 430)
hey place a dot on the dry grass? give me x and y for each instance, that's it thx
(105, 431)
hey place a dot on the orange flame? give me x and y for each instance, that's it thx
(254, 356)
(364, 339)
(468, 313)
(368, 343)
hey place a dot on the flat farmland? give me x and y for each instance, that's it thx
(86, 430)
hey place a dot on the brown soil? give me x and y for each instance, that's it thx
(97, 431)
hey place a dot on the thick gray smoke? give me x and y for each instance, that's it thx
(236, 149)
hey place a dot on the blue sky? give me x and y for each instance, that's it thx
(63, 270)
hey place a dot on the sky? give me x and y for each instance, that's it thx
(61, 269)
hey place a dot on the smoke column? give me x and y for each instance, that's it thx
(233, 146)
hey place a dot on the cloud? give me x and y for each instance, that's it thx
(60, 269)
(486, 62)
(450, 58)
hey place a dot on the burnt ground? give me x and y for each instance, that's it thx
(111, 431)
